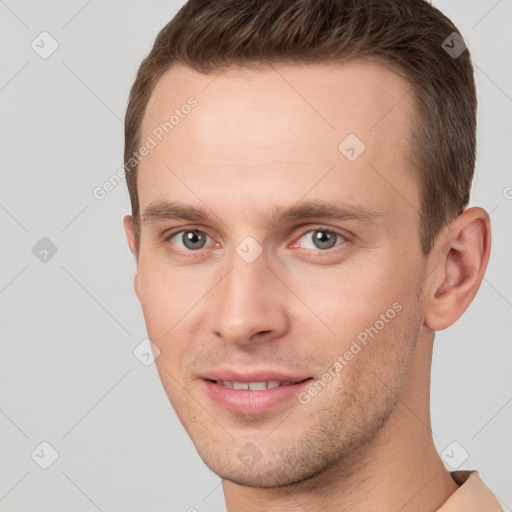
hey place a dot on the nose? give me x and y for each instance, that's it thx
(249, 305)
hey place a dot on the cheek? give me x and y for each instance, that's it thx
(371, 314)
(377, 359)
(349, 297)
(166, 296)
(171, 303)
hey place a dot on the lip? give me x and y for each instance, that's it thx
(253, 402)
(254, 376)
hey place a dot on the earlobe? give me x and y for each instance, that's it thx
(129, 229)
(136, 285)
(463, 253)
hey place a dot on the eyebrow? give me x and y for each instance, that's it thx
(165, 210)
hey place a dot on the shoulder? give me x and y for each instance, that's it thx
(472, 495)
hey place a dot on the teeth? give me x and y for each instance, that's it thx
(253, 386)
(257, 386)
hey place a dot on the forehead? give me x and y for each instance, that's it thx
(264, 130)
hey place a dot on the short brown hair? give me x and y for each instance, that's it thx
(406, 35)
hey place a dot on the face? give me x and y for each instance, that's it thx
(274, 248)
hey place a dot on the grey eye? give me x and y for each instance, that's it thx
(321, 239)
(324, 239)
(191, 239)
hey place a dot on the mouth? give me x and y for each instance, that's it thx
(256, 385)
(255, 396)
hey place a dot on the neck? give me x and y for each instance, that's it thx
(399, 469)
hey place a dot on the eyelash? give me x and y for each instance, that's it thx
(344, 239)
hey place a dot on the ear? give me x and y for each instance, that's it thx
(129, 229)
(462, 254)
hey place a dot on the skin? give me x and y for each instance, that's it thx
(269, 136)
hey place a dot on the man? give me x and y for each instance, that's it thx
(299, 174)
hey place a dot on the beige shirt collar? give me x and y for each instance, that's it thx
(472, 495)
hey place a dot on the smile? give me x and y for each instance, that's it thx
(254, 397)
(253, 386)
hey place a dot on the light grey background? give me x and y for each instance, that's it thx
(68, 375)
